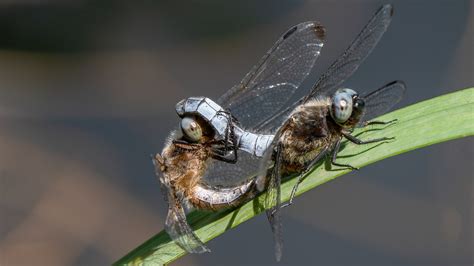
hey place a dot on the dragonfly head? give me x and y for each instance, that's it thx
(196, 130)
(358, 108)
(346, 107)
(191, 129)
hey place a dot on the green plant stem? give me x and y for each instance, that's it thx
(429, 122)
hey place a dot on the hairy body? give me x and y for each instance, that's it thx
(308, 131)
(184, 165)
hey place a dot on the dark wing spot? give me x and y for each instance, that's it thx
(289, 32)
(391, 10)
(320, 31)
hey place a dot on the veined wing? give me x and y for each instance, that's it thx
(226, 174)
(337, 73)
(354, 55)
(270, 84)
(178, 228)
(263, 92)
(383, 99)
(272, 204)
(342, 68)
(176, 224)
(266, 89)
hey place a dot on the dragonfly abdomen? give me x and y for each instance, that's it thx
(205, 197)
(255, 144)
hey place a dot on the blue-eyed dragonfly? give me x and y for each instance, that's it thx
(309, 129)
(208, 138)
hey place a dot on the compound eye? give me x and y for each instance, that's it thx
(191, 129)
(341, 107)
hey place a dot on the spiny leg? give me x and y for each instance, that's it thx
(301, 176)
(219, 151)
(334, 157)
(228, 127)
(357, 141)
(180, 141)
(219, 147)
(229, 131)
(230, 135)
(186, 145)
(360, 142)
(375, 122)
(220, 154)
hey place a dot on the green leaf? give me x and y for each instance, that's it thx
(433, 121)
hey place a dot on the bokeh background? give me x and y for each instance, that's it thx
(87, 93)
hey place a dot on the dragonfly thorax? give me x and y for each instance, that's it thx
(308, 131)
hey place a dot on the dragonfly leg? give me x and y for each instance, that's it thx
(301, 176)
(375, 122)
(180, 141)
(219, 146)
(334, 156)
(219, 142)
(229, 131)
(186, 145)
(220, 153)
(360, 142)
(230, 137)
(293, 192)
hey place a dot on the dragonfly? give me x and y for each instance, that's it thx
(181, 166)
(193, 166)
(307, 130)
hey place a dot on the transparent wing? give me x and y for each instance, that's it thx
(354, 55)
(266, 89)
(383, 99)
(270, 84)
(337, 73)
(274, 217)
(273, 201)
(342, 68)
(176, 224)
(277, 120)
(227, 174)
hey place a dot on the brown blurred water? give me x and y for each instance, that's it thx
(87, 92)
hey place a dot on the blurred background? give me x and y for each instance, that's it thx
(87, 93)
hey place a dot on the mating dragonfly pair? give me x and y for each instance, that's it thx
(213, 163)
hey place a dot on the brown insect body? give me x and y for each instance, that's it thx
(181, 169)
(184, 165)
(309, 130)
